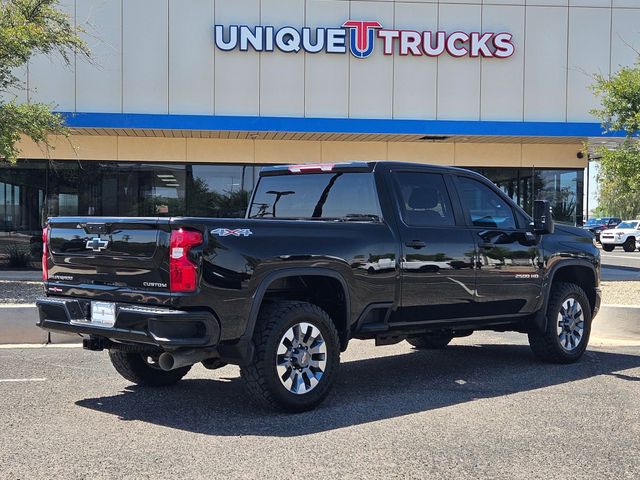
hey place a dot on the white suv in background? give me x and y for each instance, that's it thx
(625, 235)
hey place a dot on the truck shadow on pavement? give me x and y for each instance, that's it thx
(365, 391)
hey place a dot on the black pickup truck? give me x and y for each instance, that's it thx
(325, 253)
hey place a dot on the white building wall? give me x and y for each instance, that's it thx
(157, 56)
(99, 80)
(330, 92)
(145, 56)
(545, 66)
(458, 93)
(589, 53)
(191, 59)
(371, 80)
(50, 80)
(414, 74)
(502, 82)
(237, 76)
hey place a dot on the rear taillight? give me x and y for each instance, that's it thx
(45, 251)
(183, 272)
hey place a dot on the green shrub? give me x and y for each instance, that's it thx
(19, 256)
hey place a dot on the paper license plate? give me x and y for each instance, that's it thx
(103, 313)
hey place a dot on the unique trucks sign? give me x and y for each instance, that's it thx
(360, 38)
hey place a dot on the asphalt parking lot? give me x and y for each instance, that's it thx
(620, 258)
(620, 265)
(484, 408)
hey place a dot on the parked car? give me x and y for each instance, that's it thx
(597, 225)
(624, 235)
(279, 293)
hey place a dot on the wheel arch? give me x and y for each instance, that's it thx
(340, 315)
(579, 272)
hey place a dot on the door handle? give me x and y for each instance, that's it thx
(416, 244)
(486, 246)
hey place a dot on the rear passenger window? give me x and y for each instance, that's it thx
(424, 200)
(484, 206)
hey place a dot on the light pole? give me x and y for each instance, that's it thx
(590, 158)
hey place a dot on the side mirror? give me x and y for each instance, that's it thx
(543, 217)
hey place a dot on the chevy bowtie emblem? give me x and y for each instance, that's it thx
(97, 244)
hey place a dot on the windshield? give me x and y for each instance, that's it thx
(628, 225)
(328, 196)
(595, 221)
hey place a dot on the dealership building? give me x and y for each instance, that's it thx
(184, 101)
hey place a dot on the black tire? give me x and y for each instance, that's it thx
(135, 368)
(430, 342)
(547, 345)
(261, 376)
(629, 245)
(608, 247)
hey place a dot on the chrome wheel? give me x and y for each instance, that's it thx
(301, 359)
(570, 324)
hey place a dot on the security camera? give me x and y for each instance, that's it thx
(580, 154)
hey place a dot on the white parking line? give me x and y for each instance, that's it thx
(12, 380)
(595, 340)
(22, 346)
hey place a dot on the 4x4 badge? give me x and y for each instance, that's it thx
(97, 244)
(225, 232)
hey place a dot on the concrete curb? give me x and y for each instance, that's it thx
(18, 325)
(21, 275)
(621, 267)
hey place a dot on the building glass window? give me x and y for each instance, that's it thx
(33, 190)
(22, 206)
(160, 189)
(22, 192)
(63, 185)
(219, 190)
(562, 187)
(116, 189)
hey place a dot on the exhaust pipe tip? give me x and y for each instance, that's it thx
(172, 360)
(166, 361)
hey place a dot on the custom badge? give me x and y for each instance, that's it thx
(226, 232)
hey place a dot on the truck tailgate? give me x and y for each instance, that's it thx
(109, 258)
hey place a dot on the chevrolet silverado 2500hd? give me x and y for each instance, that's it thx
(326, 253)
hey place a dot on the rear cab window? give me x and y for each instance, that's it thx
(338, 196)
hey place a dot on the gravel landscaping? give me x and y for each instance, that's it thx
(621, 293)
(19, 292)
